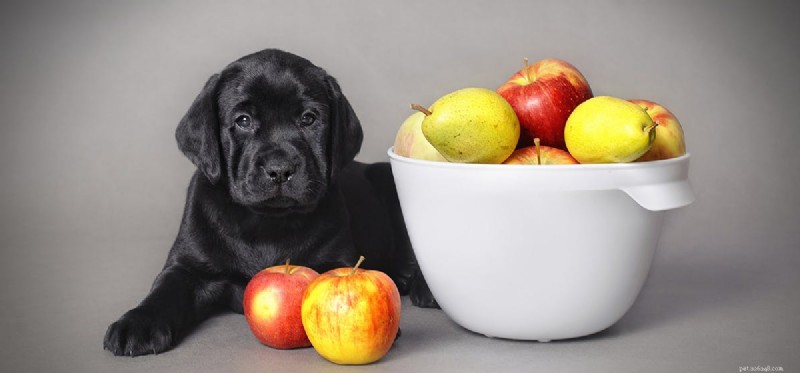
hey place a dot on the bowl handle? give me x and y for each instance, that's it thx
(662, 196)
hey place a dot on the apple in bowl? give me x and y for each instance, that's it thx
(540, 155)
(543, 96)
(411, 142)
(669, 142)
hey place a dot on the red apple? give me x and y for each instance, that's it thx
(669, 142)
(543, 95)
(352, 315)
(531, 155)
(272, 303)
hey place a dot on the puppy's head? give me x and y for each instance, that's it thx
(273, 129)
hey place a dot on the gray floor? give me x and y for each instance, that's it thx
(704, 315)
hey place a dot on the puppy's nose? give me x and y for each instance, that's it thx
(279, 173)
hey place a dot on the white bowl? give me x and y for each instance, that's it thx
(537, 252)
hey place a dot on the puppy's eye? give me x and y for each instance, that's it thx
(244, 122)
(308, 119)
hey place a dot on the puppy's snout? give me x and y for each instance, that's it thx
(279, 172)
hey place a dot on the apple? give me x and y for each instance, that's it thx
(669, 142)
(352, 315)
(411, 142)
(540, 154)
(543, 95)
(272, 303)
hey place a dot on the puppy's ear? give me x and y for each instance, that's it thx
(198, 132)
(345, 129)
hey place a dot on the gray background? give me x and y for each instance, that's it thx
(92, 184)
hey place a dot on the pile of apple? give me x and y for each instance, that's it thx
(349, 315)
(543, 114)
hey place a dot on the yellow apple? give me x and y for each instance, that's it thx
(411, 142)
(669, 141)
(351, 315)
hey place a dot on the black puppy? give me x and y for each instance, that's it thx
(274, 140)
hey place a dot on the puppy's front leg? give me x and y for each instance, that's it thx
(178, 300)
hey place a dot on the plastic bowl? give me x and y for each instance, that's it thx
(537, 252)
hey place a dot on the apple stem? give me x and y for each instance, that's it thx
(355, 269)
(650, 127)
(536, 143)
(287, 266)
(421, 109)
(525, 69)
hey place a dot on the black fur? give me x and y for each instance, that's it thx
(280, 184)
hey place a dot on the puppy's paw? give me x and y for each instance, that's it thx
(403, 284)
(424, 300)
(420, 294)
(138, 333)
